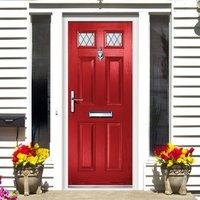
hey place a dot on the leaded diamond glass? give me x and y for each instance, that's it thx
(114, 39)
(86, 39)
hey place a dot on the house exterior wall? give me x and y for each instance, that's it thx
(184, 86)
(184, 71)
(15, 82)
(185, 121)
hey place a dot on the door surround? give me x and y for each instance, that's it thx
(135, 166)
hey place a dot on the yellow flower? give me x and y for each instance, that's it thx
(42, 154)
(185, 161)
(170, 147)
(170, 163)
(36, 146)
(182, 156)
(32, 160)
(190, 160)
(184, 151)
(41, 159)
(180, 160)
(22, 157)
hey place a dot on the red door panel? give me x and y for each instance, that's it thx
(100, 148)
(113, 147)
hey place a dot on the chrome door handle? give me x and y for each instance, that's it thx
(74, 100)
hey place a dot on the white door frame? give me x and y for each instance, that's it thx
(59, 86)
(134, 20)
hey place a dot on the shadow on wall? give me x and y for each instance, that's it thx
(10, 134)
(158, 179)
(197, 26)
(12, 127)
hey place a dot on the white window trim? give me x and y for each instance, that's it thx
(151, 159)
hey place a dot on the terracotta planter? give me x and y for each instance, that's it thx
(175, 179)
(28, 180)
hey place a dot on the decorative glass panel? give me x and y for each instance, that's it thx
(86, 39)
(114, 39)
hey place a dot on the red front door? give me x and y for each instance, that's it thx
(100, 103)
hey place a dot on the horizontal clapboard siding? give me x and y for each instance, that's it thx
(8, 42)
(186, 22)
(186, 42)
(10, 23)
(14, 80)
(18, 33)
(13, 53)
(187, 52)
(185, 74)
(185, 118)
(185, 97)
(15, 62)
(16, 14)
(13, 57)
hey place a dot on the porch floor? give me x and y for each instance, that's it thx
(105, 195)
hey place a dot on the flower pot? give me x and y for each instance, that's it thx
(175, 178)
(28, 180)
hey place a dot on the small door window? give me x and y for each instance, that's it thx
(86, 39)
(114, 39)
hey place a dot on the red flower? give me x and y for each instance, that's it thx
(170, 153)
(16, 153)
(164, 157)
(176, 153)
(25, 150)
(33, 152)
(164, 147)
(191, 150)
(157, 151)
(15, 159)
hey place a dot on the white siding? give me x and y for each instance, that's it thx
(13, 57)
(14, 82)
(13, 76)
(185, 85)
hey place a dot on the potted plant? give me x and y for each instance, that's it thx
(175, 166)
(28, 161)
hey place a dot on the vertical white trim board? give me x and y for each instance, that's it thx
(56, 120)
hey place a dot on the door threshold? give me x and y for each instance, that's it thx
(100, 186)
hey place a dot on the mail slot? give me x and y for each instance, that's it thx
(100, 114)
(12, 120)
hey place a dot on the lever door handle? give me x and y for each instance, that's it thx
(74, 100)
